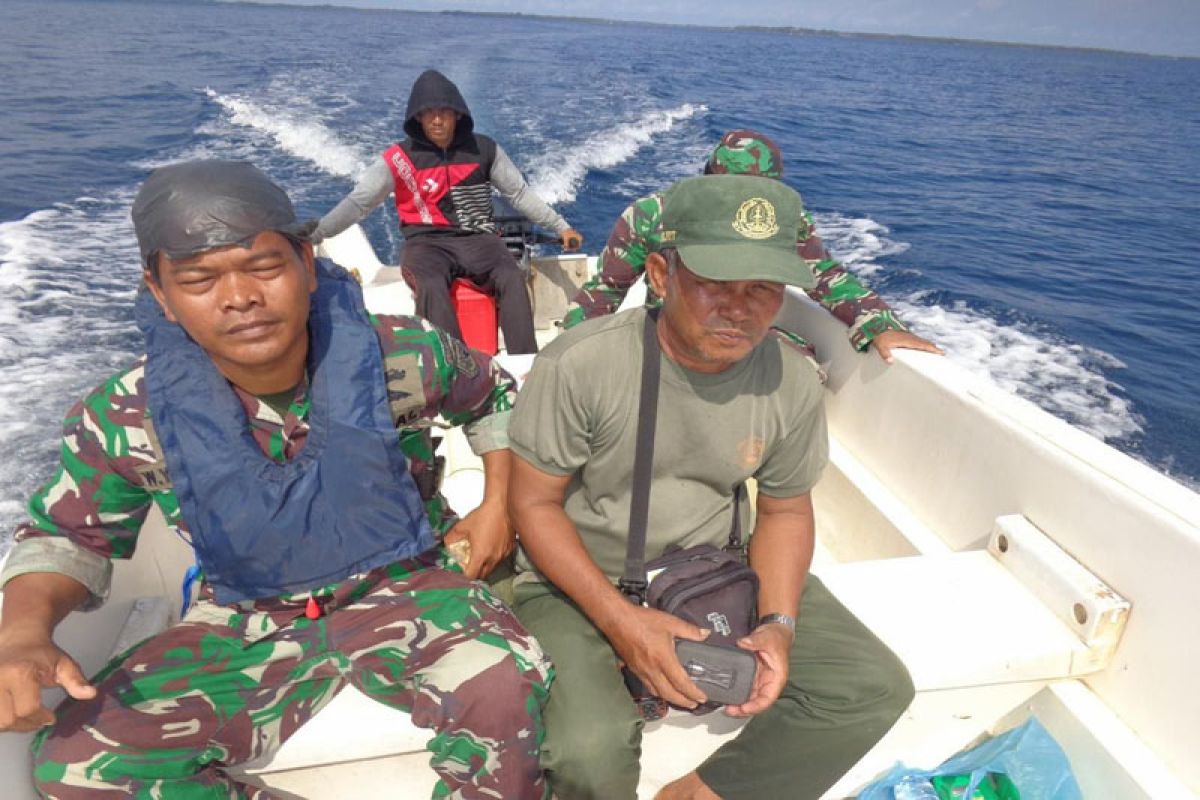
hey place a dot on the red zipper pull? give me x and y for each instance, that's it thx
(312, 609)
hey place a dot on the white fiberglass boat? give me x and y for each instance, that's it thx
(1017, 565)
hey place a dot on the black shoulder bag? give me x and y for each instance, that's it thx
(710, 587)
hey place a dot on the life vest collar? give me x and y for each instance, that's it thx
(344, 504)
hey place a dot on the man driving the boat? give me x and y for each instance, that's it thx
(442, 176)
(282, 431)
(638, 232)
(742, 405)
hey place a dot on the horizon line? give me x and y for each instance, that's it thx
(791, 30)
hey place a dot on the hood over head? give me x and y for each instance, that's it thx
(434, 90)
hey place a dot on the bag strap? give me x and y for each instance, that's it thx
(735, 544)
(633, 581)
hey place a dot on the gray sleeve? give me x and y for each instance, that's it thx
(509, 181)
(372, 189)
(61, 555)
(488, 433)
(793, 465)
(549, 426)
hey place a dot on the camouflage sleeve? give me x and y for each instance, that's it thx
(802, 346)
(93, 507)
(447, 379)
(61, 555)
(862, 310)
(636, 234)
(430, 374)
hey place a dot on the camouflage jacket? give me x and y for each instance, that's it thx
(638, 233)
(111, 469)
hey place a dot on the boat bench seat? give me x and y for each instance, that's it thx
(1021, 610)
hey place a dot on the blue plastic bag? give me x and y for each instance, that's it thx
(1028, 755)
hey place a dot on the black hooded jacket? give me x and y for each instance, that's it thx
(442, 191)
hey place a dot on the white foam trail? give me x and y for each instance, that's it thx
(557, 175)
(299, 133)
(857, 241)
(219, 146)
(1063, 378)
(67, 278)
(683, 159)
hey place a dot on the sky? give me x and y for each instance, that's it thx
(1161, 27)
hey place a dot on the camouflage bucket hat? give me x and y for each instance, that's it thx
(736, 228)
(745, 152)
(188, 208)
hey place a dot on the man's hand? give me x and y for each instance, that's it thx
(571, 240)
(770, 644)
(884, 343)
(645, 640)
(30, 662)
(491, 537)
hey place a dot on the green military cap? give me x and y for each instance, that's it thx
(737, 228)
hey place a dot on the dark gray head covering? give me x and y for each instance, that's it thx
(187, 208)
(432, 89)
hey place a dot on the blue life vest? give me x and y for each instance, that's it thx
(344, 504)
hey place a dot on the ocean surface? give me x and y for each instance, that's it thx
(1035, 211)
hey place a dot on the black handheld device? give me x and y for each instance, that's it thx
(724, 674)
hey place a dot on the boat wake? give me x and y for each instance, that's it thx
(557, 175)
(298, 133)
(68, 275)
(858, 242)
(1064, 378)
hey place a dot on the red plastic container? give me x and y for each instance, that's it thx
(476, 312)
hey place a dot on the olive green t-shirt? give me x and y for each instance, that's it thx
(577, 415)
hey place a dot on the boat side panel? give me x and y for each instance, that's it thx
(961, 452)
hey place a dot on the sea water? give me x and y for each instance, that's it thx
(1032, 210)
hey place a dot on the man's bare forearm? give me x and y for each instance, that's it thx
(497, 470)
(552, 541)
(781, 551)
(37, 601)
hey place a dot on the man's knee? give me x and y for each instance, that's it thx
(593, 758)
(899, 689)
(419, 279)
(883, 687)
(49, 764)
(508, 277)
(516, 688)
(499, 679)
(71, 763)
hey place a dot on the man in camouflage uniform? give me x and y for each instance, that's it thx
(232, 681)
(638, 232)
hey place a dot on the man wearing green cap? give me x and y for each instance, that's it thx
(870, 321)
(742, 405)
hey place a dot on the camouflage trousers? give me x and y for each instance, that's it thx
(224, 687)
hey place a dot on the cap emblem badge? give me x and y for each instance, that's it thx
(755, 219)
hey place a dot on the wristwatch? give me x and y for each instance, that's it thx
(778, 619)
